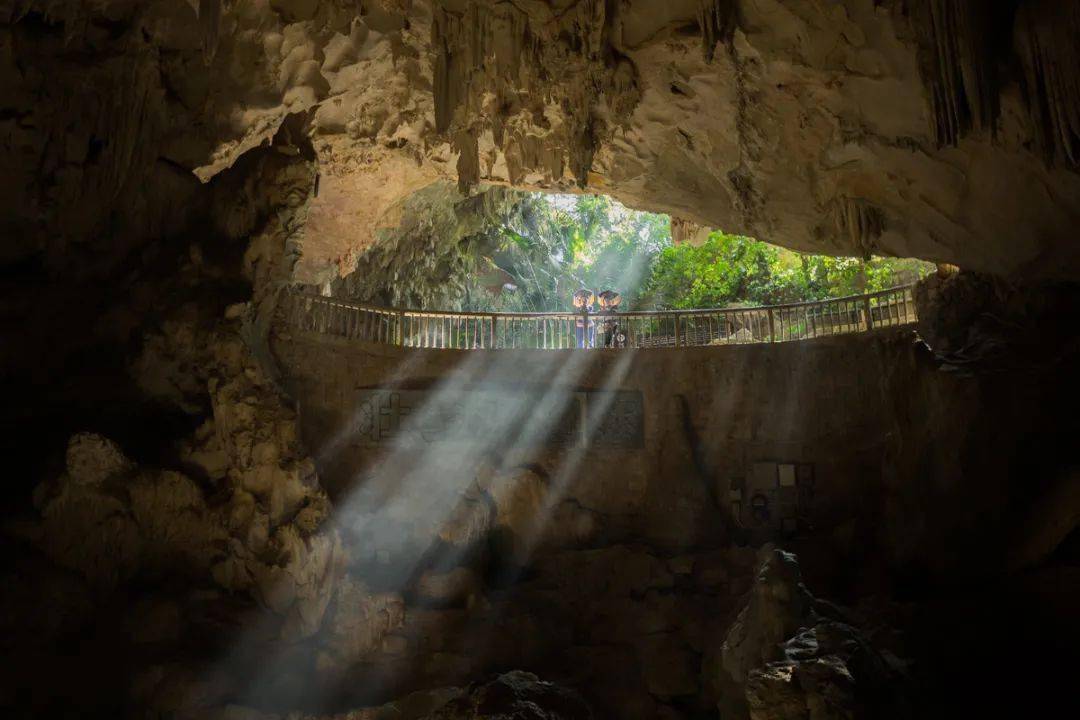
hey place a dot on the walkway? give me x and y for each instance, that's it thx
(554, 331)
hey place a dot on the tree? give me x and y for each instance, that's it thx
(734, 269)
(552, 245)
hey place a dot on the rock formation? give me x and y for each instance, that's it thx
(517, 695)
(792, 656)
(911, 127)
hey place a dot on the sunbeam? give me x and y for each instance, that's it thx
(567, 468)
(399, 516)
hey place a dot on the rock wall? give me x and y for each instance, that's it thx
(873, 421)
(436, 248)
(707, 416)
(908, 127)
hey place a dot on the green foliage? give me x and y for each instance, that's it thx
(723, 269)
(553, 245)
(733, 269)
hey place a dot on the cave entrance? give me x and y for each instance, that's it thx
(508, 250)
(506, 268)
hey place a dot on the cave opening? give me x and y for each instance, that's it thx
(505, 250)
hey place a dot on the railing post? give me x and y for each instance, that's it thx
(492, 345)
(678, 328)
(772, 326)
(866, 309)
(399, 331)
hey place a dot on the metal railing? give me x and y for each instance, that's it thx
(553, 331)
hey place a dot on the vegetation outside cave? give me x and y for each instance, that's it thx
(553, 244)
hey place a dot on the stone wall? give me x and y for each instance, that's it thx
(708, 427)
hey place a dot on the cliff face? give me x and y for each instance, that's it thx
(923, 128)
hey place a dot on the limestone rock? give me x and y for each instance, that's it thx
(150, 521)
(205, 453)
(108, 520)
(515, 695)
(671, 669)
(459, 585)
(468, 523)
(360, 621)
(298, 581)
(91, 459)
(785, 657)
(93, 533)
(778, 606)
(572, 525)
(828, 671)
(839, 128)
(177, 528)
(520, 512)
(260, 439)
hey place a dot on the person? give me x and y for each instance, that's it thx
(584, 326)
(609, 326)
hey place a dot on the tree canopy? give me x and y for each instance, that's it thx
(552, 245)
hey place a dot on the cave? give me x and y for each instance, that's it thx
(242, 489)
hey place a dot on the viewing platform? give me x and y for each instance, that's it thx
(894, 307)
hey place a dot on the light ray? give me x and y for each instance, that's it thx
(408, 495)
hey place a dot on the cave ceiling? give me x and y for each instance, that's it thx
(943, 130)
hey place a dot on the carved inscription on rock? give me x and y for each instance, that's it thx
(508, 417)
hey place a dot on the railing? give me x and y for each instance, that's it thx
(552, 331)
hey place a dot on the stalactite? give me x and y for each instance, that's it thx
(963, 46)
(210, 23)
(130, 122)
(581, 154)
(960, 47)
(497, 67)
(1047, 38)
(76, 21)
(74, 14)
(447, 75)
(861, 222)
(468, 164)
(684, 231)
(716, 18)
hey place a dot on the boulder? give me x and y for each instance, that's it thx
(468, 523)
(779, 604)
(92, 458)
(787, 657)
(361, 619)
(517, 695)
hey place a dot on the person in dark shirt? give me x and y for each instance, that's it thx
(609, 323)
